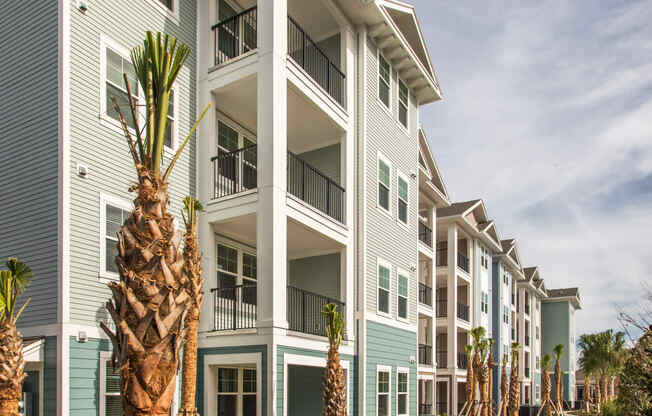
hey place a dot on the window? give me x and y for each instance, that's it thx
(383, 80)
(113, 213)
(236, 389)
(170, 131)
(537, 392)
(538, 362)
(506, 353)
(109, 388)
(402, 103)
(238, 167)
(402, 295)
(383, 388)
(403, 199)
(484, 302)
(505, 314)
(384, 184)
(383, 288)
(484, 257)
(402, 399)
(227, 266)
(115, 62)
(167, 3)
(249, 279)
(230, 275)
(537, 331)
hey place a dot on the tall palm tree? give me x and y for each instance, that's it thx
(13, 282)
(194, 286)
(151, 300)
(504, 388)
(616, 359)
(477, 334)
(590, 362)
(491, 365)
(483, 376)
(558, 350)
(333, 383)
(546, 385)
(470, 380)
(514, 383)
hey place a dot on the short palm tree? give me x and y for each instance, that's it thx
(514, 383)
(194, 286)
(13, 282)
(546, 385)
(151, 299)
(334, 383)
(558, 350)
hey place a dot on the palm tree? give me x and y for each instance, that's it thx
(546, 385)
(151, 300)
(333, 383)
(504, 388)
(470, 380)
(194, 286)
(12, 371)
(590, 362)
(483, 376)
(477, 334)
(616, 359)
(514, 383)
(491, 364)
(558, 350)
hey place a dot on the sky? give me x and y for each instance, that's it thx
(546, 116)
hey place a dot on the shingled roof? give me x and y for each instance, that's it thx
(457, 208)
(564, 293)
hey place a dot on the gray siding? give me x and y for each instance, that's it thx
(386, 238)
(103, 149)
(29, 142)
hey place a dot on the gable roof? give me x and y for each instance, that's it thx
(570, 293)
(427, 159)
(489, 228)
(458, 208)
(510, 253)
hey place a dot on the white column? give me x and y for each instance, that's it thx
(272, 159)
(209, 268)
(452, 298)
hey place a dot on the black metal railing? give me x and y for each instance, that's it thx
(442, 407)
(527, 340)
(463, 311)
(236, 35)
(425, 294)
(442, 359)
(315, 62)
(425, 354)
(235, 172)
(441, 308)
(425, 409)
(304, 311)
(442, 257)
(462, 360)
(462, 262)
(234, 308)
(425, 234)
(310, 185)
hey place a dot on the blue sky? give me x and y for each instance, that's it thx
(546, 116)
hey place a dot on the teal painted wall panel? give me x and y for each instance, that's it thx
(391, 347)
(84, 375)
(50, 376)
(304, 390)
(555, 329)
(203, 352)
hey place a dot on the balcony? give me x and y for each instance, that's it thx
(304, 311)
(425, 354)
(462, 360)
(462, 262)
(236, 172)
(442, 257)
(236, 35)
(425, 409)
(442, 359)
(425, 294)
(463, 312)
(442, 308)
(425, 234)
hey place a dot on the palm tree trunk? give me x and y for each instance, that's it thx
(490, 389)
(483, 381)
(514, 389)
(12, 371)
(334, 386)
(545, 393)
(587, 391)
(605, 389)
(598, 393)
(470, 382)
(558, 391)
(189, 370)
(504, 390)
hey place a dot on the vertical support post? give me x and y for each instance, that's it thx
(452, 310)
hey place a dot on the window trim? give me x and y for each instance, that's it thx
(239, 393)
(384, 369)
(403, 273)
(174, 131)
(105, 357)
(387, 107)
(380, 157)
(402, 176)
(241, 250)
(405, 126)
(406, 371)
(171, 14)
(387, 265)
(106, 199)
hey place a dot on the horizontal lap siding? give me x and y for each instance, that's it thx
(84, 375)
(103, 149)
(29, 159)
(386, 238)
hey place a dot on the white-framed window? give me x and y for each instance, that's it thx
(538, 362)
(506, 353)
(236, 266)
(170, 8)
(403, 290)
(384, 273)
(403, 198)
(171, 129)
(484, 257)
(110, 402)
(403, 106)
(537, 331)
(402, 392)
(113, 213)
(384, 80)
(505, 314)
(236, 391)
(383, 389)
(237, 158)
(484, 302)
(537, 392)
(384, 183)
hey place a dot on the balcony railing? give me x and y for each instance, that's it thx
(462, 360)
(425, 294)
(462, 262)
(442, 407)
(236, 35)
(442, 359)
(305, 52)
(442, 257)
(304, 311)
(442, 308)
(234, 308)
(463, 312)
(425, 234)
(425, 354)
(425, 409)
(310, 185)
(235, 172)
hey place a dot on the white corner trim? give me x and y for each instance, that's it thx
(106, 199)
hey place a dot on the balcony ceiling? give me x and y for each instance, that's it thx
(314, 18)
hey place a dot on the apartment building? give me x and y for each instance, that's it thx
(558, 322)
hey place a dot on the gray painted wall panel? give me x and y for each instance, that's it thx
(326, 160)
(29, 158)
(319, 274)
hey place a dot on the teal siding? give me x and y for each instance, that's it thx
(391, 347)
(203, 352)
(30, 149)
(84, 375)
(555, 329)
(50, 376)
(280, 375)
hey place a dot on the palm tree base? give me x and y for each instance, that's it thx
(9, 407)
(188, 412)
